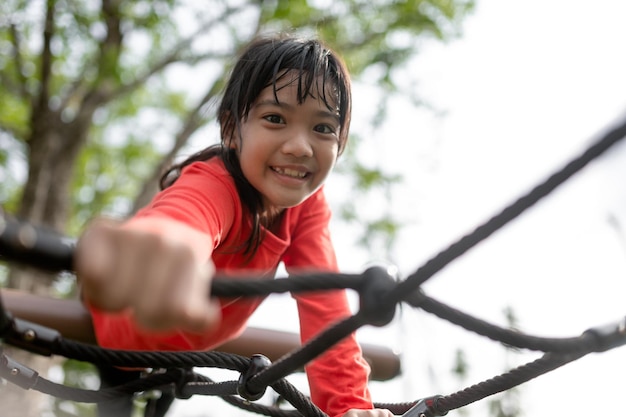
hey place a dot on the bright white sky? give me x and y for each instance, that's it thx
(528, 87)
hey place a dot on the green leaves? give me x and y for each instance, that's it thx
(115, 70)
(108, 177)
(368, 178)
(122, 86)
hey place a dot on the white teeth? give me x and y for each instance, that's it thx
(290, 172)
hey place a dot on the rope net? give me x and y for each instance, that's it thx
(379, 294)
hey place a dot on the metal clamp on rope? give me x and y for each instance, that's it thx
(257, 364)
(377, 283)
(609, 336)
(426, 407)
(17, 373)
(32, 337)
(180, 387)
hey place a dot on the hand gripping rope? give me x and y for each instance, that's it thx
(379, 296)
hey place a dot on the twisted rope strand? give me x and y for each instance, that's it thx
(585, 342)
(503, 382)
(482, 232)
(56, 253)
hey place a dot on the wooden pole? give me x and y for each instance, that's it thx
(72, 320)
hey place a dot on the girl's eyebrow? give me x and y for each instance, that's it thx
(270, 102)
(320, 113)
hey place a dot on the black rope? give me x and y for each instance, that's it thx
(98, 355)
(297, 399)
(508, 380)
(203, 385)
(104, 394)
(23, 243)
(150, 359)
(221, 287)
(482, 232)
(395, 408)
(587, 342)
(295, 360)
(222, 389)
(37, 246)
(183, 382)
(261, 409)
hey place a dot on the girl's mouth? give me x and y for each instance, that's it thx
(293, 173)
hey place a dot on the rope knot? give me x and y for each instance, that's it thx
(257, 364)
(374, 307)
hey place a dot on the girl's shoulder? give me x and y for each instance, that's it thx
(213, 165)
(203, 196)
(206, 184)
(211, 171)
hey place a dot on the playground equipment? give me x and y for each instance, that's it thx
(66, 331)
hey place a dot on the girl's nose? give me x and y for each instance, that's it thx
(298, 144)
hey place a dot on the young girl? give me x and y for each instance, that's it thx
(238, 209)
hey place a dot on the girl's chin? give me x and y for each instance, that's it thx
(285, 202)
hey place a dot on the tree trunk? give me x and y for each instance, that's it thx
(53, 150)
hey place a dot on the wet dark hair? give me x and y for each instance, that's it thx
(319, 72)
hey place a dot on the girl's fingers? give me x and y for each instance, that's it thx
(151, 274)
(156, 276)
(202, 312)
(187, 301)
(96, 267)
(175, 291)
(157, 302)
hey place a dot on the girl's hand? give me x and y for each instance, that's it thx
(378, 412)
(161, 276)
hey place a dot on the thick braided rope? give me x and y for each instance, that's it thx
(403, 290)
(506, 381)
(150, 359)
(509, 213)
(586, 342)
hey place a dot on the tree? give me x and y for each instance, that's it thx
(90, 93)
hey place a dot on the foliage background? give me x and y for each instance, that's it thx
(529, 87)
(95, 101)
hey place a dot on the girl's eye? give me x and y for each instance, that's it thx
(327, 129)
(273, 118)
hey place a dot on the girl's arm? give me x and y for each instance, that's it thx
(154, 267)
(338, 379)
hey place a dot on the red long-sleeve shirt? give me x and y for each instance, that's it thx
(205, 198)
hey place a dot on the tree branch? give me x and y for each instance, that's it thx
(108, 59)
(192, 122)
(40, 104)
(175, 53)
(19, 63)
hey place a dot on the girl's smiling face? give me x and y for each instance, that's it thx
(286, 148)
